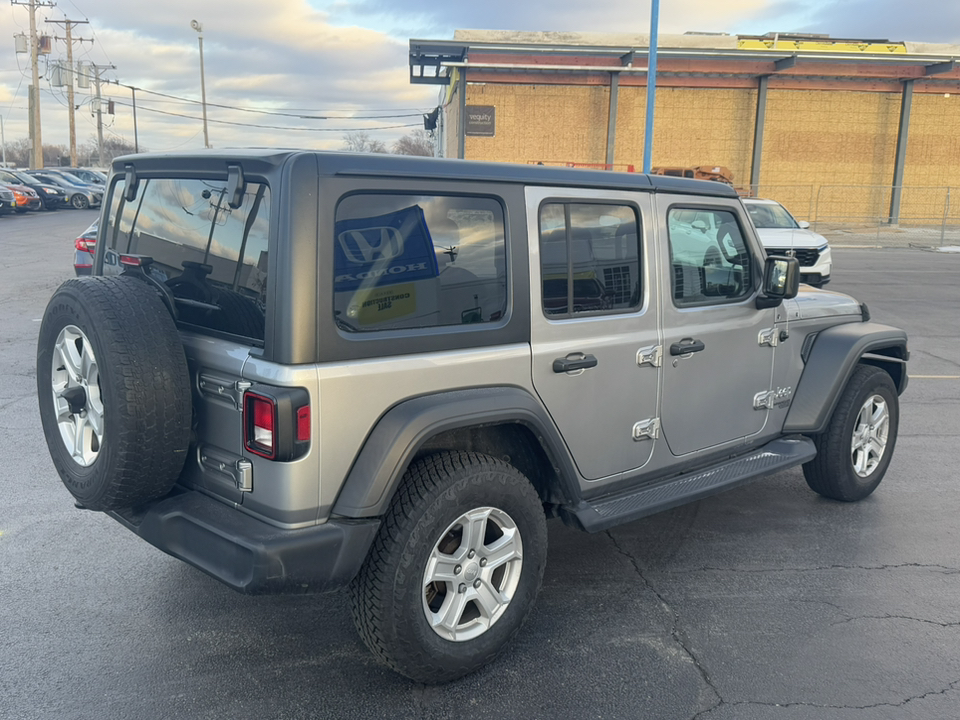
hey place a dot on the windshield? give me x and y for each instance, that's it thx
(770, 216)
(23, 177)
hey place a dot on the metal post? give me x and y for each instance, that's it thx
(906, 100)
(651, 86)
(462, 123)
(612, 118)
(3, 144)
(758, 124)
(203, 86)
(136, 138)
(946, 211)
(203, 96)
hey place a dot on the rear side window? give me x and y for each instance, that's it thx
(589, 258)
(211, 256)
(405, 261)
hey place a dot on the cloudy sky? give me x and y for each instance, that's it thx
(301, 73)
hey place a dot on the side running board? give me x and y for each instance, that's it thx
(602, 513)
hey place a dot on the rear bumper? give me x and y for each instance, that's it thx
(249, 555)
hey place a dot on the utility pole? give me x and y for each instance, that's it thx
(203, 87)
(68, 25)
(96, 78)
(36, 160)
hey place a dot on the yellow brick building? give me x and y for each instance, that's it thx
(799, 117)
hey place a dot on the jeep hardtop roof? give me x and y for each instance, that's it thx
(263, 160)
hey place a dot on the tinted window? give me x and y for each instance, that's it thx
(710, 259)
(589, 258)
(212, 256)
(417, 261)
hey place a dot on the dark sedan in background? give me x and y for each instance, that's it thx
(51, 196)
(79, 194)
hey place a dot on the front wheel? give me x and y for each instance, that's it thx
(853, 453)
(455, 567)
(80, 202)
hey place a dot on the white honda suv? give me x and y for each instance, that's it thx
(780, 232)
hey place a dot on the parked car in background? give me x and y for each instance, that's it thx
(780, 233)
(85, 246)
(8, 203)
(79, 194)
(26, 199)
(51, 196)
(86, 175)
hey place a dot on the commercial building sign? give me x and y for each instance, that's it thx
(481, 120)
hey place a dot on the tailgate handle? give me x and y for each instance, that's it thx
(574, 361)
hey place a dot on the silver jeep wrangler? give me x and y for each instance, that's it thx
(299, 371)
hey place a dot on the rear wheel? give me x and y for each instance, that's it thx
(455, 568)
(114, 392)
(853, 453)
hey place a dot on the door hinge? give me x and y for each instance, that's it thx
(769, 337)
(223, 388)
(652, 356)
(227, 467)
(647, 429)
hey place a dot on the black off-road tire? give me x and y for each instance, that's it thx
(387, 594)
(144, 387)
(831, 473)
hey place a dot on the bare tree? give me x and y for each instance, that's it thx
(418, 142)
(19, 152)
(113, 147)
(360, 141)
(53, 153)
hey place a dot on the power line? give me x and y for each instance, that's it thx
(266, 127)
(275, 112)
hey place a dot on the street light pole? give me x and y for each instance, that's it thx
(203, 88)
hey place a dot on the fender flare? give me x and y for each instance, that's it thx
(832, 360)
(403, 430)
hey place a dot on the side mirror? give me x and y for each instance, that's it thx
(781, 281)
(699, 225)
(804, 225)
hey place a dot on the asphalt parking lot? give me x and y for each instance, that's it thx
(764, 602)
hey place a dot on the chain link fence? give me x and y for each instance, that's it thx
(860, 215)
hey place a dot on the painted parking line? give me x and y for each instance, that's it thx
(935, 377)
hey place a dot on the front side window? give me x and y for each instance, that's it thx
(211, 256)
(710, 260)
(418, 261)
(589, 258)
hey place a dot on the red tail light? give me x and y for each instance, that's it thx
(88, 245)
(260, 422)
(276, 422)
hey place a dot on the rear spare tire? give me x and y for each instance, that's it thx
(114, 391)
